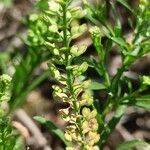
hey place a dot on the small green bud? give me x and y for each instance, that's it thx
(93, 113)
(86, 99)
(68, 15)
(41, 27)
(95, 31)
(89, 125)
(56, 51)
(78, 50)
(80, 69)
(57, 88)
(65, 114)
(83, 28)
(33, 17)
(146, 80)
(143, 2)
(70, 148)
(86, 84)
(50, 45)
(77, 12)
(53, 28)
(54, 71)
(85, 127)
(92, 138)
(81, 49)
(54, 6)
(63, 49)
(60, 96)
(5, 81)
(61, 2)
(86, 112)
(74, 50)
(77, 31)
(68, 137)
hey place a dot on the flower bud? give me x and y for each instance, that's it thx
(77, 12)
(81, 69)
(143, 2)
(61, 2)
(74, 50)
(68, 137)
(95, 31)
(33, 17)
(145, 80)
(54, 71)
(4, 82)
(51, 45)
(57, 88)
(86, 112)
(77, 31)
(53, 28)
(86, 84)
(53, 6)
(93, 113)
(92, 138)
(70, 148)
(78, 50)
(56, 51)
(85, 127)
(86, 99)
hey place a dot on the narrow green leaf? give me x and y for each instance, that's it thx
(125, 4)
(115, 13)
(97, 86)
(132, 144)
(116, 79)
(112, 123)
(143, 101)
(21, 98)
(119, 41)
(52, 128)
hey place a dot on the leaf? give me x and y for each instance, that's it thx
(42, 5)
(143, 101)
(18, 100)
(125, 4)
(119, 41)
(94, 64)
(112, 123)
(53, 129)
(97, 86)
(6, 3)
(131, 144)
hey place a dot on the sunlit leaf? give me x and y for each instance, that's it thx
(132, 144)
(52, 128)
(97, 86)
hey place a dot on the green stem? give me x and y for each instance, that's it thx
(113, 90)
(68, 61)
(70, 77)
(106, 76)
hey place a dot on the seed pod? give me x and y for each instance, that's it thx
(78, 50)
(80, 69)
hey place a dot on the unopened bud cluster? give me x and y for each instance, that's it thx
(5, 81)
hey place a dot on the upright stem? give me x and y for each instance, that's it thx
(70, 77)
